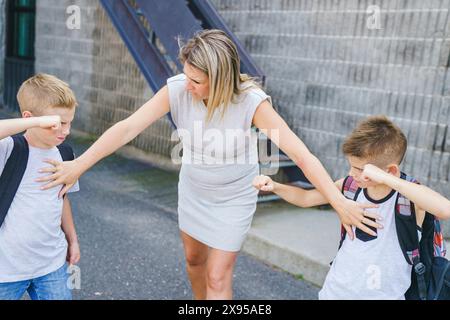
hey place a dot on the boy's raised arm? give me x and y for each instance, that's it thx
(10, 127)
(292, 194)
(422, 196)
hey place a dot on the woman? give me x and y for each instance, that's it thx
(216, 197)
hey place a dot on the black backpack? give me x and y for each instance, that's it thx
(430, 277)
(15, 168)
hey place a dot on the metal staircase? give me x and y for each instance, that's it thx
(150, 29)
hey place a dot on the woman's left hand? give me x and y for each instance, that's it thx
(353, 213)
(61, 173)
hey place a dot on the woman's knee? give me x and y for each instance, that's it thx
(195, 259)
(196, 253)
(218, 279)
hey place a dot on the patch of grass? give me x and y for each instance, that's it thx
(84, 139)
(299, 277)
(153, 177)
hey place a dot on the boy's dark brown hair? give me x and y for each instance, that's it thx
(377, 139)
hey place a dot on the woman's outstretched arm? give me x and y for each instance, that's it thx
(67, 173)
(350, 212)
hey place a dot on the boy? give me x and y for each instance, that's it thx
(371, 267)
(37, 235)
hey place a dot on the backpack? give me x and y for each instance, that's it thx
(430, 276)
(15, 169)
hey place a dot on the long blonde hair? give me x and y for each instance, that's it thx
(215, 54)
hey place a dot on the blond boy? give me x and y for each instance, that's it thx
(37, 237)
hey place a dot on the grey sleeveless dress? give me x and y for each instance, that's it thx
(216, 199)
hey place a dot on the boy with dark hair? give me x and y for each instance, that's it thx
(381, 266)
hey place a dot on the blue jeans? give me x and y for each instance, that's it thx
(49, 287)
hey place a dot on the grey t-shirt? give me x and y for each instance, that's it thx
(32, 243)
(222, 140)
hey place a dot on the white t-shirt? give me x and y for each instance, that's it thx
(372, 270)
(32, 243)
(227, 140)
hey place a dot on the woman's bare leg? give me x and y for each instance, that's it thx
(219, 274)
(196, 254)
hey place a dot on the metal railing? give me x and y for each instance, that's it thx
(150, 29)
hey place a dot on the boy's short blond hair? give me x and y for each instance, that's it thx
(44, 91)
(377, 139)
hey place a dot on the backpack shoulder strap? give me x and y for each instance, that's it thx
(66, 152)
(406, 224)
(12, 174)
(439, 249)
(350, 190)
(404, 207)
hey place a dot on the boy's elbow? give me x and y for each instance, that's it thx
(443, 211)
(447, 211)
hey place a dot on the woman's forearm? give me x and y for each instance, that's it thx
(319, 177)
(125, 131)
(114, 138)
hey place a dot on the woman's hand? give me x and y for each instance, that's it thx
(263, 183)
(61, 173)
(353, 213)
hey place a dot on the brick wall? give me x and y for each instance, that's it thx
(326, 70)
(98, 66)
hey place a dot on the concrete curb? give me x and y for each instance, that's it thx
(302, 267)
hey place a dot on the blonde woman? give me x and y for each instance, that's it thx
(216, 197)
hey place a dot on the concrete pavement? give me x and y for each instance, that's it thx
(126, 219)
(299, 241)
